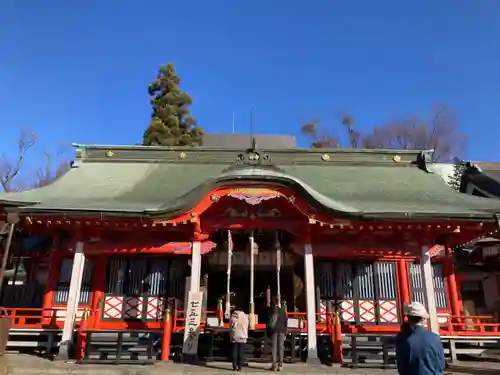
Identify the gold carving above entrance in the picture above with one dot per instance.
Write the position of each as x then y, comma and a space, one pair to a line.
254, 196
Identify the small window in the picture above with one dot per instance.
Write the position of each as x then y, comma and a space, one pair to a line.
62, 288
137, 276
417, 285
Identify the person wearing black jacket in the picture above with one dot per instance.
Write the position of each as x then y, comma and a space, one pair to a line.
276, 330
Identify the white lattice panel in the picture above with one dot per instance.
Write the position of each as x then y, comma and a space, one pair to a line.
113, 306
347, 313
133, 308
367, 311
388, 311
154, 308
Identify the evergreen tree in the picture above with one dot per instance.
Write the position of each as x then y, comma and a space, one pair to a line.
455, 179
171, 123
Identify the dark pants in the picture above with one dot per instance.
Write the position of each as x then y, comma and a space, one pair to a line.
238, 355
278, 345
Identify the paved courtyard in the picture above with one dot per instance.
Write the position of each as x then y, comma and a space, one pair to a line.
29, 365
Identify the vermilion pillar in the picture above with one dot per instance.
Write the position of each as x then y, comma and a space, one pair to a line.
98, 289
52, 278
404, 284
451, 283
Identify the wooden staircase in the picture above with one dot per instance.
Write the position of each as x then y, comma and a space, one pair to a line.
122, 347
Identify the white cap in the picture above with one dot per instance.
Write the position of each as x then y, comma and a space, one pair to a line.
416, 309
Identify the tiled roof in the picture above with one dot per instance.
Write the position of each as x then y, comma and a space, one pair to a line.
169, 180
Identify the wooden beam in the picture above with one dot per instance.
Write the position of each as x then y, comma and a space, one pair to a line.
73, 299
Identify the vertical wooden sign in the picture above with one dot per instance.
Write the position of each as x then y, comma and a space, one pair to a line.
192, 323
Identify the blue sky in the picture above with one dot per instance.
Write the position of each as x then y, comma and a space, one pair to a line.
77, 71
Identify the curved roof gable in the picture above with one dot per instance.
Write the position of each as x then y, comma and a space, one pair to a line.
165, 181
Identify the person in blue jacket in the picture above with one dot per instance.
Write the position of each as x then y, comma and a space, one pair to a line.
418, 351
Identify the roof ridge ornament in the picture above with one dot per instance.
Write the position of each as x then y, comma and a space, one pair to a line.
253, 156
254, 144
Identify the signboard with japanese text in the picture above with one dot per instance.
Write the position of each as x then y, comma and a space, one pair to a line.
192, 323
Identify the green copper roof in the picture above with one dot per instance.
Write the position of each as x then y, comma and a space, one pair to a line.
153, 181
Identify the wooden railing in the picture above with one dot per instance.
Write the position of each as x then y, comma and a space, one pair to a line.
37, 318
180, 319
470, 326
322, 319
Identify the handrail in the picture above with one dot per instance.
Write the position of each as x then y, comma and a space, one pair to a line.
179, 317
461, 325
321, 326
471, 325
25, 317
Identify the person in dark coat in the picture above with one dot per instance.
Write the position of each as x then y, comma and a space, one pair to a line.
276, 330
418, 351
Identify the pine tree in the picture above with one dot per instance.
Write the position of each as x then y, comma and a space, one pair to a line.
171, 123
455, 179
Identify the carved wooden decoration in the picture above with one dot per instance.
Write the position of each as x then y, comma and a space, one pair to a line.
254, 196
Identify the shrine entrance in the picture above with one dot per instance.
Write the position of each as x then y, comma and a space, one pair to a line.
265, 288
265, 285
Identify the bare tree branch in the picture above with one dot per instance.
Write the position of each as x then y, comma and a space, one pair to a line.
48, 174
440, 133
54, 166
319, 138
9, 170
354, 135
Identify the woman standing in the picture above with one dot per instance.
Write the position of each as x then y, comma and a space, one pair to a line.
239, 335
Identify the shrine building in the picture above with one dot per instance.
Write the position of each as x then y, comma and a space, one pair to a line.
353, 234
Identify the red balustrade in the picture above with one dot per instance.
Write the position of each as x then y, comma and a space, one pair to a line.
37, 318
180, 319
321, 325
470, 326
31, 318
